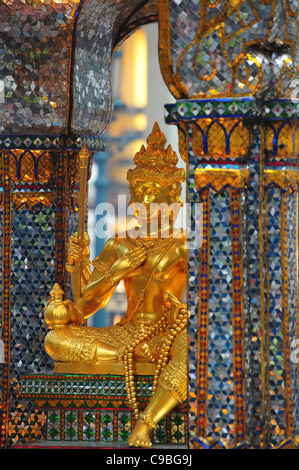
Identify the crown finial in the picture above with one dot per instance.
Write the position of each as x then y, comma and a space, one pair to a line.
156, 163
156, 138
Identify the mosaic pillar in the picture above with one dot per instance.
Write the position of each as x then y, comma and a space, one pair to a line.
55, 96
238, 131
243, 279
39, 211
6, 295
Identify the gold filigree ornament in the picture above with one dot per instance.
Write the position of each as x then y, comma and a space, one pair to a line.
156, 163
148, 420
32, 199
284, 179
218, 178
152, 246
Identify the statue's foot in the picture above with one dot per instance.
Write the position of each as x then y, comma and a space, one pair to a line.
140, 436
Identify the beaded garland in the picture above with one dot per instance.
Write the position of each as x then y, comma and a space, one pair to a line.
144, 333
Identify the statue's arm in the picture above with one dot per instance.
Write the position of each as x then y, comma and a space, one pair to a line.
99, 285
113, 265
78, 251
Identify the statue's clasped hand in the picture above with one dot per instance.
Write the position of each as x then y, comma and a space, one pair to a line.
78, 249
74, 315
173, 306
128, 263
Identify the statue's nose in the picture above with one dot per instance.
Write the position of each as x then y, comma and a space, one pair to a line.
146, 199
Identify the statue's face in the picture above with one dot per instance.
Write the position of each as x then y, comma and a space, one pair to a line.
147, 196
147, 192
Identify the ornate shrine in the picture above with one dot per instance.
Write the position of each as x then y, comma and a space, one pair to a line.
232, 68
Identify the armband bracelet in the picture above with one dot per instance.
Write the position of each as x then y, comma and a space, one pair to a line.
109, 279
148, 420
104, 270
70, 268
79, 310
100, 266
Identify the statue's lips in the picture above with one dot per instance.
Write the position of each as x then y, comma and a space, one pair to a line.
155, 209
156, 216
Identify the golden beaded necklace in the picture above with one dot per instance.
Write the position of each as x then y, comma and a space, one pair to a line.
152, 246
146, 332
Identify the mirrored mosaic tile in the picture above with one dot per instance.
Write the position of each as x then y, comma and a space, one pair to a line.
32, 271
247, 340
276, 349
58, 385
98, 29
293, 325
32, 276
71, 425
89, 425
34, 91
292, 302
124, 425
253, 315
43, 78
178, 427
193, 300
212, 48
160, 434
1, 238
53, 425
106, 426
220, 381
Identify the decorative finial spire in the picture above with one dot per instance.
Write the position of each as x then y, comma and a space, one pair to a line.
156, 162
156, 138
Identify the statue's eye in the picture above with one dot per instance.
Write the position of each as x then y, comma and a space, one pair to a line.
153, 191
174, 192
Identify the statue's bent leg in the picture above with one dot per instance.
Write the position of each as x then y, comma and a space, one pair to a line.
174, 377
171, 390
70, 344
87, 345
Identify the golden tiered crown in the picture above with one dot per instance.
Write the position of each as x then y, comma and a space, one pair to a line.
156, 163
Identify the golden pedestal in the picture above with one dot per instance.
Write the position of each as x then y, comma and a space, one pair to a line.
103, 369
